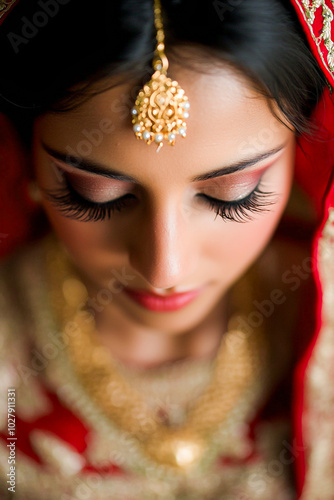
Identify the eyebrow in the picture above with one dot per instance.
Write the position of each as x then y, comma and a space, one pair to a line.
87, 165
240, 165
96, 168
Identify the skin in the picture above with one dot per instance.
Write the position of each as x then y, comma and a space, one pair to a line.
168, 238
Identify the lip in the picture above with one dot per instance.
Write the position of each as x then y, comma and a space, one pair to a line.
162, 303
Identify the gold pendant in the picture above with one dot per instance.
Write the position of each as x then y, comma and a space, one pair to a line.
176, 448
161, 107
160, 110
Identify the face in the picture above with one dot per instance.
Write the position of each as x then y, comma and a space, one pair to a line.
190, 217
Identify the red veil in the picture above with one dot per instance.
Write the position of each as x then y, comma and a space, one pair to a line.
314, 374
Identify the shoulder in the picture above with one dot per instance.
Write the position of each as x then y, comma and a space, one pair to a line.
20, 275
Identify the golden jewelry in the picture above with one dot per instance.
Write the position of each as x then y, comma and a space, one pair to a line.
161, 106
238, 364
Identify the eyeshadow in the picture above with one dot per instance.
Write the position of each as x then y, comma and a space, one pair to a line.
92, 187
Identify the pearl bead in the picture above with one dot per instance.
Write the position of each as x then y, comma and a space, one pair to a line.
186, 114
182, 131
186, 105
146, 135
134, 112
158, 137
137, 128
171, 137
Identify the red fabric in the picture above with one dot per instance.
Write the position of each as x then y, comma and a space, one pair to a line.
314, 172
314, 30
17, 211
315, 155
64, 425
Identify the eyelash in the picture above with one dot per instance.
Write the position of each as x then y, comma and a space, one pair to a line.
74, 206
242, 210
71, 204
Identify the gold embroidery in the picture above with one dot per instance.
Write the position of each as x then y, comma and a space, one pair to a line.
318, 426
58, 455
260, 479
309, 10
5, 6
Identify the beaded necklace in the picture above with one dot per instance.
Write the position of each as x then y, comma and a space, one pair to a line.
236, 367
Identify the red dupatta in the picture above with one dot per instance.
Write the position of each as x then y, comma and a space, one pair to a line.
314, 375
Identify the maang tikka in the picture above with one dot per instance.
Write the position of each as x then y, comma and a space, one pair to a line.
161, 106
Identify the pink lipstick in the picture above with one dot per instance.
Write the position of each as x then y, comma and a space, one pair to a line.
162, 303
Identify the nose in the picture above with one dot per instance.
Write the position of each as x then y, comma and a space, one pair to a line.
162, 248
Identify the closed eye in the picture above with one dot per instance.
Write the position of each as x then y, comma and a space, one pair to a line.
241, 210
71, 204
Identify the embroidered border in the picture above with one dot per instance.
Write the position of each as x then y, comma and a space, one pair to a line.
318, 426
5, 6
324, 41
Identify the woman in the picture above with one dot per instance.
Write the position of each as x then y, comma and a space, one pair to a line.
152, 349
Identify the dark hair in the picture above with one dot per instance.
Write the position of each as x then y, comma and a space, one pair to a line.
48, 46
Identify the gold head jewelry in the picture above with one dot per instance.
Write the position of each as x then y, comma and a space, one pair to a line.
161, 106
238, 365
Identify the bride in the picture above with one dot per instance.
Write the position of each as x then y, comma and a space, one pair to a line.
167, 332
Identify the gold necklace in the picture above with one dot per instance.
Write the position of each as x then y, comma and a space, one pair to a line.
236, 367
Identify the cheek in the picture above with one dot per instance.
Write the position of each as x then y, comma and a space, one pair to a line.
237, 245
92, 245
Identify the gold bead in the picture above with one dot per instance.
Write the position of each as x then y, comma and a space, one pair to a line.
178, 449
74, 291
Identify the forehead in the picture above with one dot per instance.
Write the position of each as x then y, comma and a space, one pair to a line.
227, 118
